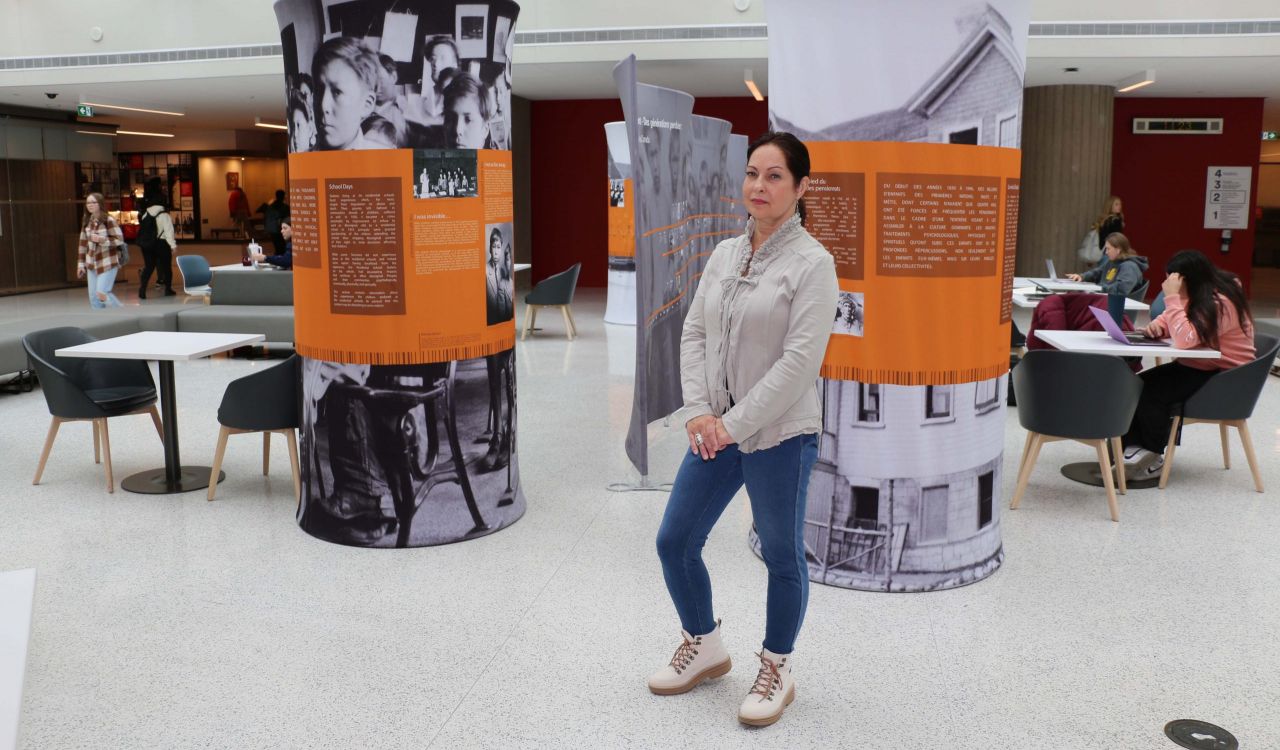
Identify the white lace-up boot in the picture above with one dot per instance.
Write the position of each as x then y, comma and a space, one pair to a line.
773, 692
699, 657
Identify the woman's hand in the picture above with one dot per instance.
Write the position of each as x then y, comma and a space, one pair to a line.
1074, 277
702, 436
1172, 285
723, 438
79, 272
1156, 330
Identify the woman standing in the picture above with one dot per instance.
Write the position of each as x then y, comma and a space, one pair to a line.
753, 343
1111, 220
99, 255
1204, 306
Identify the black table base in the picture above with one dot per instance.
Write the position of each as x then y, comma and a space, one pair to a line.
156, 481
1088, 472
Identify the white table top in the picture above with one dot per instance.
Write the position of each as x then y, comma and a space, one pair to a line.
264, 266
1020, 300
1061, 285
17, 592
171, 345
523, 267
1098, 342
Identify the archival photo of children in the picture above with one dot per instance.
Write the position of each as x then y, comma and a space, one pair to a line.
368, 74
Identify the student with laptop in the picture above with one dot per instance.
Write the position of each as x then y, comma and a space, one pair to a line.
1121, 270
1204, 305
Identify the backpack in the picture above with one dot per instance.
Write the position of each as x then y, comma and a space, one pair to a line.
1089, 251
148, 230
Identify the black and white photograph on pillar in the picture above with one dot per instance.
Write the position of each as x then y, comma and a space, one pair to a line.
956, 78
408, 456
850, 312
444, 173
883, 518
499, 285
394, 74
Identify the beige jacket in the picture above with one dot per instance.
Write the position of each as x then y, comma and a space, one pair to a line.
757, 341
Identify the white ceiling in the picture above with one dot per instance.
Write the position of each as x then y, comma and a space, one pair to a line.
232, 102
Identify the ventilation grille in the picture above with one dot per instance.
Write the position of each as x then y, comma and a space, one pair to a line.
743, 32
1177, 125
143, 58
1171, 28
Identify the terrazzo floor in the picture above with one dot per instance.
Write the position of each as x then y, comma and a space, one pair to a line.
172, 622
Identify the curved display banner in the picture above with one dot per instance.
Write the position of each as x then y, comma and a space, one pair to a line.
401, 200
620, 308
914, 190
685, 169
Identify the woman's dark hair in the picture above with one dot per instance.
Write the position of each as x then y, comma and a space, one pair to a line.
153, 194
793, 150
1201, 280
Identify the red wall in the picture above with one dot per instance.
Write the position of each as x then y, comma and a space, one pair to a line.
1161, 179
570, 172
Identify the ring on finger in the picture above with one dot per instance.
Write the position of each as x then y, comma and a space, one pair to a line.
697, 438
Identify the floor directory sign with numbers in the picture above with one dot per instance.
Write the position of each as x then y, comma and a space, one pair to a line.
1226, 197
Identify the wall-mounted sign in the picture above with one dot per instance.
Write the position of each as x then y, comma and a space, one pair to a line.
84, 110
1270, 135
1226, 198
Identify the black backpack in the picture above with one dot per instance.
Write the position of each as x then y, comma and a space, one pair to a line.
148, 230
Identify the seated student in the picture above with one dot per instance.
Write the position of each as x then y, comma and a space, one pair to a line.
1204, 306
280, 260
1121, 270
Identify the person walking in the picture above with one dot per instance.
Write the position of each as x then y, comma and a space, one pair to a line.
238, 208
98, 258
156, 238
752, 346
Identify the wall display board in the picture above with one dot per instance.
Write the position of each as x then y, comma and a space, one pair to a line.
402, 203
914, 190
685, 172
1226, 197
620, 308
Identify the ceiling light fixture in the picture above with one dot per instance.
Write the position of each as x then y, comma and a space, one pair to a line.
258, 121
1136, 81
143, 132
134, 109
97, 132
751, 85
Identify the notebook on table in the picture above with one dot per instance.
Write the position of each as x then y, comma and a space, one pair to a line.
1130, 338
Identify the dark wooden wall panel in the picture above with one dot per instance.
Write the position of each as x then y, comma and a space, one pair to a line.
1066, 172
39, 210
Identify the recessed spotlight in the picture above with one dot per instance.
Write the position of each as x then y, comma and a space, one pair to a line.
1072, 69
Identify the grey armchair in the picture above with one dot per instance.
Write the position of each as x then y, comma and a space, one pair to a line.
1227, 400
266, 402
87, 390
1089, 398
553, 291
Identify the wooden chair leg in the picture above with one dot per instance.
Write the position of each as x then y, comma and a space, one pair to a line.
223, 433
1243, 428
530, 313
266, 452
1117, 455
291, 439
97, 448
1169, 451
1026, 450
1104, 463
48, 445
155, 420
1028, 463
572, 323
1223, 432
568, 324
106, 454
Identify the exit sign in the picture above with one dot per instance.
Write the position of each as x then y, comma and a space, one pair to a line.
84, 110
1270, 135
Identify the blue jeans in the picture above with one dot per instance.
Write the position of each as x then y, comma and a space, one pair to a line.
777, 480
102, 282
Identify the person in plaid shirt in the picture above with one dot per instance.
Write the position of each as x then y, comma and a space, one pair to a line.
99, 255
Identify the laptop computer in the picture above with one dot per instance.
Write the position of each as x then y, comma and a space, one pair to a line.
1130, 338
1055, 284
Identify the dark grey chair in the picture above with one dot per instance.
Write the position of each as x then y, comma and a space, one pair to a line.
1089, 398
553, 291
1227, 400
1139, 292
266, 402
88, 390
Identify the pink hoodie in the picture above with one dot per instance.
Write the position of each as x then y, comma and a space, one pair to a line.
1235, 343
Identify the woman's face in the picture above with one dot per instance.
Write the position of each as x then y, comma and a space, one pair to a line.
302, 135
286, 231
769, 190
495, 248
345, 101
1115, 206
1112, 251
441, 57
467, 127
91, 205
